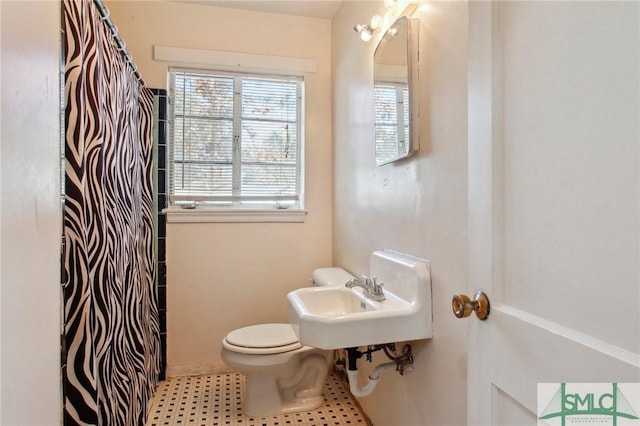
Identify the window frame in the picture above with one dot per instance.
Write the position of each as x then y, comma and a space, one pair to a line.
234, 208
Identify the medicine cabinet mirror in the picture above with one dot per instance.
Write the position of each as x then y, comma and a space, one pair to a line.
395, 73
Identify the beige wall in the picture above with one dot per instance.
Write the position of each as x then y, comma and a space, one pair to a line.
417, 206
31, 214
223, 276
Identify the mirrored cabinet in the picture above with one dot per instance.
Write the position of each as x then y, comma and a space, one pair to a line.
395, 66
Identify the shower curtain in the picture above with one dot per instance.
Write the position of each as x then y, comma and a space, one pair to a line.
111, 342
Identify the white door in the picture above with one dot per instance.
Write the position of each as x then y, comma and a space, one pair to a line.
554, 136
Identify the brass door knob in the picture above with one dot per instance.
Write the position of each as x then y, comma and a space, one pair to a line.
462, 306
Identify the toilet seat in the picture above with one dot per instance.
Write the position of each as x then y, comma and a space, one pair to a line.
262, 339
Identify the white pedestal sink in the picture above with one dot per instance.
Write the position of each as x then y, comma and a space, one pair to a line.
340, 317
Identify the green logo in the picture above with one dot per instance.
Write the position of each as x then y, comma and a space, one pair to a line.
588, 403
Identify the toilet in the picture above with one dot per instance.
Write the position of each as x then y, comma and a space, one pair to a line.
283, 375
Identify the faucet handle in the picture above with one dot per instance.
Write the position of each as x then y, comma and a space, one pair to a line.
377, 287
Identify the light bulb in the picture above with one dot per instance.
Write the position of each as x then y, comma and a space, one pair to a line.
365, 34
357, 28
376, 22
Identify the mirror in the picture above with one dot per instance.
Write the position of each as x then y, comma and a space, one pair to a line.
395, 92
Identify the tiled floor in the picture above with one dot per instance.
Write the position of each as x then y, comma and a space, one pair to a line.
217, 400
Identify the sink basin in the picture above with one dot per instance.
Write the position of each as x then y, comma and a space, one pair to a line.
339, 317
331, 302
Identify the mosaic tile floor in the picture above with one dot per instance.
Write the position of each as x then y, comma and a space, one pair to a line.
217, 400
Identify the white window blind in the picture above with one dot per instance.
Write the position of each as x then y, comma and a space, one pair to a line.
235, 140
391, 120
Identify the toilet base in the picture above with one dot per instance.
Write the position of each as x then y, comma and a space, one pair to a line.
263, 398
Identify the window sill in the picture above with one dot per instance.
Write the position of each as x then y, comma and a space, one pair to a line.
212, 215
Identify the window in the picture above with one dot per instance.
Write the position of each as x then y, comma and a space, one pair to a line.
236, 140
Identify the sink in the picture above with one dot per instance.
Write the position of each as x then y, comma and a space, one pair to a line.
339, 317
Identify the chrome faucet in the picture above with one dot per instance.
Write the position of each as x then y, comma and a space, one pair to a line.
372, 289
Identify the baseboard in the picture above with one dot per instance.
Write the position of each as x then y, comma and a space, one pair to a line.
197, 370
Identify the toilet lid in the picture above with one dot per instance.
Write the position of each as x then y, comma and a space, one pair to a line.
271, 338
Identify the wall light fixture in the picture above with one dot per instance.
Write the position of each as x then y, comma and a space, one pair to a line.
366, 31
394, 7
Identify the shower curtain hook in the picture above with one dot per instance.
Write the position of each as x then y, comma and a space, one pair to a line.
107, 12
123, 45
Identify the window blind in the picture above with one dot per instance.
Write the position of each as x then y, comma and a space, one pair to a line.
391, 120
236, 139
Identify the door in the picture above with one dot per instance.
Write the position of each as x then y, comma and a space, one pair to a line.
554, 135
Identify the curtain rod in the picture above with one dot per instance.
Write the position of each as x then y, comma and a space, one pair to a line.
114, 33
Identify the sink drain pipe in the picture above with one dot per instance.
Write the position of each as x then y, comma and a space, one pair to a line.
352, 372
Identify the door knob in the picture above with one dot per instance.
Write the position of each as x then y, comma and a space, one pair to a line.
462, 306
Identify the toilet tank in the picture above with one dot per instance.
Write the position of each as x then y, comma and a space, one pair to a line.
330, 276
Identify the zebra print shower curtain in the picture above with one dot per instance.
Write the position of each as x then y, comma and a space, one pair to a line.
112, 345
